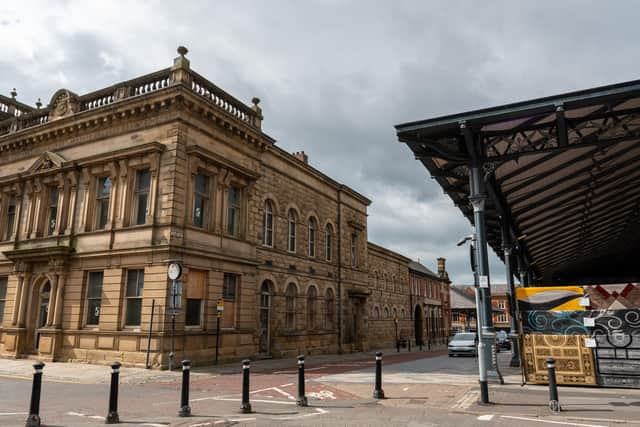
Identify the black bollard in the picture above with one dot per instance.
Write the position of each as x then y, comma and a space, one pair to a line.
554, 404
302, 399
33, 420
112, 416
378, 393
246, 406
185, 409
409, 345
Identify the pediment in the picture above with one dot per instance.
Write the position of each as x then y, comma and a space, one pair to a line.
63, 103
47, 161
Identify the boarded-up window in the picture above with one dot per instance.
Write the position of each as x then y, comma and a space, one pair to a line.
230, 289
195, 295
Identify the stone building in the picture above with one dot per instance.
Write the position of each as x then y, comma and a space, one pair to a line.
430, 302
98, 192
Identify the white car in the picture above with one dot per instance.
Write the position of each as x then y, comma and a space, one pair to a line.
465, 343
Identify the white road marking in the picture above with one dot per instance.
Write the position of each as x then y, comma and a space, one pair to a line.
295, 372
550, 422
279, 402
486, 417
12, 413
95, 417
405, 389
466, 400
154, 425
238, 420
284, 393
286, 385
322, 394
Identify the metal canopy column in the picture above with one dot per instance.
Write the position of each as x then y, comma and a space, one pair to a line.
478, 199
507, 246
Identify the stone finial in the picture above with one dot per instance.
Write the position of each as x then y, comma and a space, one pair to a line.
181, 63
255, 101
14, 93
38, 104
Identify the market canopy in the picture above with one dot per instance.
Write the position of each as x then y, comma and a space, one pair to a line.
561, 172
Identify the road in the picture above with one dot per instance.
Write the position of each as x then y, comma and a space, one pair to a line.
422, 389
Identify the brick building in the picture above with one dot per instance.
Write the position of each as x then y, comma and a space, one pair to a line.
430, 302
463, 315
99, 191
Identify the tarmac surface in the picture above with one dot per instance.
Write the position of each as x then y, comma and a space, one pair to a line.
421, 389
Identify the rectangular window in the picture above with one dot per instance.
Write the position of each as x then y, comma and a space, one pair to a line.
135, 285
455, 317
94, 297
229, 294
354, 249
200, 200
141, 196
233, 211
195, 295
53, 210
3, 295
103, 193
11, 218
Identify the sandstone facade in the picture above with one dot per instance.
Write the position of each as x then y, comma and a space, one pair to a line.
99, 192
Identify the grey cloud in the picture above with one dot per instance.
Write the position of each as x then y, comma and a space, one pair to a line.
334, 77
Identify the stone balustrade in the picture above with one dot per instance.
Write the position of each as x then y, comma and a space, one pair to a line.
141, 86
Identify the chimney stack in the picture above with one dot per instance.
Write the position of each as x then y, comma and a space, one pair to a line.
300, 155
441, 267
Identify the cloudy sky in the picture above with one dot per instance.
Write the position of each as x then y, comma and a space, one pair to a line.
335, 76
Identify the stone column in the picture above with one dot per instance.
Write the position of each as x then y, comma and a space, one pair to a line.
16, 303
73, 197
35, 217
63, 200
57, 320
26, 287
52, 300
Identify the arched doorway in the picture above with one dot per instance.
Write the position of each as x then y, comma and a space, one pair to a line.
417, 318
264, 345
39, 313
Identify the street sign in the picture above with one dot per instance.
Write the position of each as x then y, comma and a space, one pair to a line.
174, 311
483, 281
220, 306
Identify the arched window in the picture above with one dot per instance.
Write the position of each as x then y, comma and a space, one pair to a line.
267, 224
290, 306
313, 228
386, 312
329, 307
376, 313
395, 313
402, 313
328, 232
312, 300
292, 218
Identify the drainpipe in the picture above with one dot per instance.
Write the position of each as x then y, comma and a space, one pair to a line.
340, 269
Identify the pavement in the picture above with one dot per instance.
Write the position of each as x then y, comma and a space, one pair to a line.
421, 388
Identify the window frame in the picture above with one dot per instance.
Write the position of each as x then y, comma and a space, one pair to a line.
267, 218
235, 298
88, 299
312, 308
236, 210
4, 284
128, 298
328, 249
312, 233
205, 196
291, 294
99, 200
137, 192
292, 219
53, 207
8, 231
